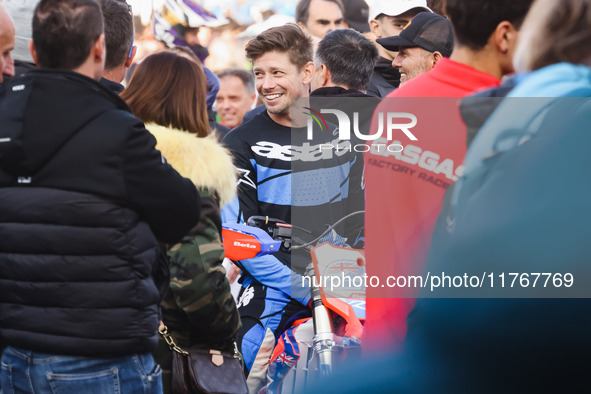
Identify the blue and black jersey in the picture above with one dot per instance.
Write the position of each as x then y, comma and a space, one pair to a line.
284, 176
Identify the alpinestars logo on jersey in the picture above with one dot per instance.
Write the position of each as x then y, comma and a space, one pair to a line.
306, 152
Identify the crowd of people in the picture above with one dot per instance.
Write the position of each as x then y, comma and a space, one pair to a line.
116, 174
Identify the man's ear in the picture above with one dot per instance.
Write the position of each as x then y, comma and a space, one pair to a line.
99, 50
374, 26
325, 75
308, 71
436, 57
33, 52
302, 26
505, 36
129, 59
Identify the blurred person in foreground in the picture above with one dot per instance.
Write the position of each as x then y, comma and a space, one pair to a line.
317, 17
119, 42
167, 91
387, 18
421, 45
86, 199
7, 36
521, 206
399, 224
235, 97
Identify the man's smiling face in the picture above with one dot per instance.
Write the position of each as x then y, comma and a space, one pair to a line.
412, 62
233, 100
278, 81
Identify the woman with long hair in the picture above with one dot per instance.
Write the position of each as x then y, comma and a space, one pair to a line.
168, 92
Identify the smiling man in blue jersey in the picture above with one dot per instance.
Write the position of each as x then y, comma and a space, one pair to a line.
269, 164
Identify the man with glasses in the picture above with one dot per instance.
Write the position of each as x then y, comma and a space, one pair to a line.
119, 40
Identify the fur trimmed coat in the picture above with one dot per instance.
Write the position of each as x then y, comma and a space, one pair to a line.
203, 160
199, 310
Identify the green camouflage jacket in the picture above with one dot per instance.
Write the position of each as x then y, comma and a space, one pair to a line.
199, 310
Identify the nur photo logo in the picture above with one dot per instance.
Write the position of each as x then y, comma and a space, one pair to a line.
318, 118
388, 124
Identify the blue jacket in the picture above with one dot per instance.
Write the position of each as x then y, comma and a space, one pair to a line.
521, 207
558, 80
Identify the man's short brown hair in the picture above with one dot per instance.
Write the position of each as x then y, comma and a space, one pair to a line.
288, 38
118, 32
64, 32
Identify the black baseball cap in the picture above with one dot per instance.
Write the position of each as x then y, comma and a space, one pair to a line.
427, 30
357, 15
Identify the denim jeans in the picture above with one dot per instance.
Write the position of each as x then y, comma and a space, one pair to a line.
25, 371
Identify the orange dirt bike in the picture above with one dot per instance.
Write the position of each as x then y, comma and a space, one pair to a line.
310, 347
